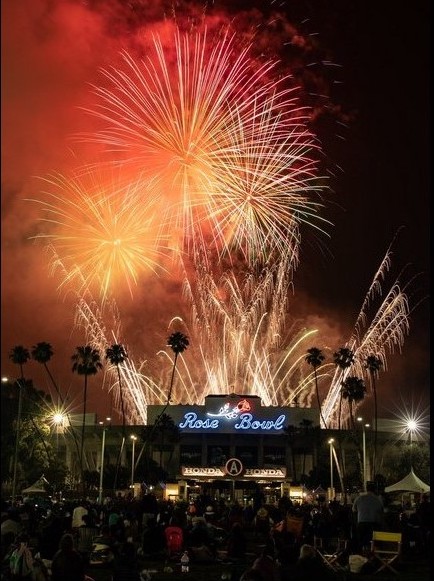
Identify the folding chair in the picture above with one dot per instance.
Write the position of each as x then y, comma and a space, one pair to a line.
386, 547
331, 551
294, 525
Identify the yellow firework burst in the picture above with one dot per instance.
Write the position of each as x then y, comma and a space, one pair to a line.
103, 233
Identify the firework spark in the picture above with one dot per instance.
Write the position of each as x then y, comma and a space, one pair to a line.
385, 333
103, 233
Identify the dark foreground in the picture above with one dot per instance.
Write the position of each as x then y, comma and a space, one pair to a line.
411, 567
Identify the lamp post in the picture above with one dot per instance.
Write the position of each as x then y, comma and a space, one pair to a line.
411, 428
133, 438
17, 438
330, 442
364, 452
101, 475
58, 421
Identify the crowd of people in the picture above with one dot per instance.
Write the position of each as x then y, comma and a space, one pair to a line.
257, 541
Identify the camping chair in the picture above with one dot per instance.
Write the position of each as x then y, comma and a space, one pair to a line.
386, 548
331, 551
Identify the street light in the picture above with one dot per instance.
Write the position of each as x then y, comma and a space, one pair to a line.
364, 452
330, 442
101, 475
411, 428
58, 421
17, 437
133, 438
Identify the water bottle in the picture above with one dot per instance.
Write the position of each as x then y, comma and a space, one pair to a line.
185, 560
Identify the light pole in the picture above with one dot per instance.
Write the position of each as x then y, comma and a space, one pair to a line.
364, 452
133, 438
58, 421
17, 438
101, 475
411, 427
331, 468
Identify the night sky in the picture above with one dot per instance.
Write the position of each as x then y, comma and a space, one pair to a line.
375, 142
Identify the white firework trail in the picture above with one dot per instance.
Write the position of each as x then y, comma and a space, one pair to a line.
385, 333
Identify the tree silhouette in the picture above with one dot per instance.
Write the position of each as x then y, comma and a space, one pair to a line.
343, 358
314, 358
42, 353
373, 365
86, 361
116, 354
353, 389
178, 343
19, 355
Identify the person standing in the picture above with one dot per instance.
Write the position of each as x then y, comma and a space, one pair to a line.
369, 511
21, 559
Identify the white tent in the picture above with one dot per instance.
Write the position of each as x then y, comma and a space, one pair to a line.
411, 483
37, 487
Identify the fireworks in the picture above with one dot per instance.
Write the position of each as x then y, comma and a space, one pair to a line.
384, 334
222, 143
104, 233
224, 178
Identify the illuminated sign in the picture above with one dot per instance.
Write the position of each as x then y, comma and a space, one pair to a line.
245, 422
265, 472
234, 468
197, 471
231, 414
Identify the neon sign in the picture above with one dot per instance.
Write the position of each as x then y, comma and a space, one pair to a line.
226, 412
245, 422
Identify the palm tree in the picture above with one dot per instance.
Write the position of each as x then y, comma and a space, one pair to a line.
116, 354
179, 343
373, 365
86, 361
19, 355
343, 358
291, 432
42, 352
353, 389
314, 358
166, 427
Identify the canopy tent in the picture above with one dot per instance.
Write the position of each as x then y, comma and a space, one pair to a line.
411, 483
37, 487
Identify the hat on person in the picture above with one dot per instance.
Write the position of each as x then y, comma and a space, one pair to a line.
209, 510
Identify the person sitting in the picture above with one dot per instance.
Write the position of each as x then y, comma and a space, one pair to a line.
85, 536
252, 574
153, 539
267, 565
125, 565
236, 543
309, 566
